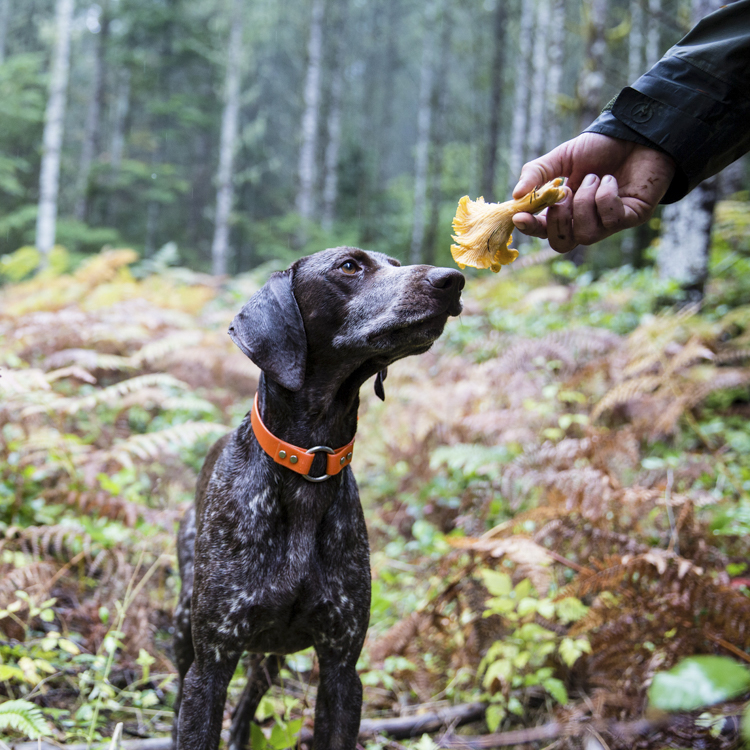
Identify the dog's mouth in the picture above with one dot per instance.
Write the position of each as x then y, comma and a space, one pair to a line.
426, 326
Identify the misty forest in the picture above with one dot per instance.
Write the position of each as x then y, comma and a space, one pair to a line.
557, 493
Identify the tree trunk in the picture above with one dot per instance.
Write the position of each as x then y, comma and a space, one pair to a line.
522, 68
591, 82
537, 106
635, 41
122, 107
386, 160
228, 143
686, 239
4, 20
90, 146
424, 122
685, 243
49, 177
307, 170
489, 170
438, 141
555, 56
653, 46
331, 162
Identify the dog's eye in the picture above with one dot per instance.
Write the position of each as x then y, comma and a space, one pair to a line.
349, 267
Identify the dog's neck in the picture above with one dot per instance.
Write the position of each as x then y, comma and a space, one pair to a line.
317, 414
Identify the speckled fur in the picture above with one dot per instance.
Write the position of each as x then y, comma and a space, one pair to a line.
271, 563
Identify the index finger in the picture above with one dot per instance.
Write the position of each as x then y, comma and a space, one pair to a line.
539, 171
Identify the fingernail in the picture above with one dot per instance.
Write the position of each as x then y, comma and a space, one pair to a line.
608, 179
589, 180
521, 224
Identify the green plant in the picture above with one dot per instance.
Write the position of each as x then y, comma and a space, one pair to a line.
525, 658
24, 717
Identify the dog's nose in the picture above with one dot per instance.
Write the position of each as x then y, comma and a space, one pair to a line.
446, 278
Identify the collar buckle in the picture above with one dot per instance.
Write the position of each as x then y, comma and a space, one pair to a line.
319, 449
295, 458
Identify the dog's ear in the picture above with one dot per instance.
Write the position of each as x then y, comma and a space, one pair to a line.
379, 378
270, 331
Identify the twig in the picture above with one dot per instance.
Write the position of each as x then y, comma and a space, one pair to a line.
622, 729
738, 652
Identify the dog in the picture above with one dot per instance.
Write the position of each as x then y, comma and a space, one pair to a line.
274, 554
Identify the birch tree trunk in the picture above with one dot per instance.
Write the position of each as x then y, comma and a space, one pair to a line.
653, 46
489, 169
555, 55
307, 170
424, 122
685, 243
121, 109
522, 66
686, 239
4, 20
537, 105
331, 160
49, 177
228, 143
90, 146
386, 160
439, 95
592, 77
635, 41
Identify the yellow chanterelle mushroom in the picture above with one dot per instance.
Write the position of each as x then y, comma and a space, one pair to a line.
483, 230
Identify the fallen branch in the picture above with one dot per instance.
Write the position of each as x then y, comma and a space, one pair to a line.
402, 727
399, 727
624, 730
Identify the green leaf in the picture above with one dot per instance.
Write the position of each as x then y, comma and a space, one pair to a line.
8, 672
556, 689
698, 681
494, 715
570, 649
570, 609
502, 669
745, 729
498, 584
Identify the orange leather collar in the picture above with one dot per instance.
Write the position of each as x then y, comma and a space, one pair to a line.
297, 459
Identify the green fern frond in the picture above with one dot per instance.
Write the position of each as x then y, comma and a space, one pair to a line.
170, 440
89, 359
156, 350
24, 717
110, 395
188, 403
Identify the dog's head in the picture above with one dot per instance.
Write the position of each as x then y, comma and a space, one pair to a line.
344, 311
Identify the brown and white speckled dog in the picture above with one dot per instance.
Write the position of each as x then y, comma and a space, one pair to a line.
271, 562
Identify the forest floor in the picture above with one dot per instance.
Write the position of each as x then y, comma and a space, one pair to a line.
558, 498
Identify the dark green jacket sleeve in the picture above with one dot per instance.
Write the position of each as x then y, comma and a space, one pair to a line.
694, 104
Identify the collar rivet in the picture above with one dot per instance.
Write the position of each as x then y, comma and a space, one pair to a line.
293, 459
282, 454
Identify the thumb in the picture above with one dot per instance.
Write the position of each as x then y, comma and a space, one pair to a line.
539, 171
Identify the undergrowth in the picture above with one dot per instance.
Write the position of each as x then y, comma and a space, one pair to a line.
558, 493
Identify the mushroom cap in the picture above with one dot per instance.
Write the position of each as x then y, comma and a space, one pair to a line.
483, 231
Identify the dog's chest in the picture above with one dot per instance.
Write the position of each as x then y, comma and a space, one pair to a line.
279, 575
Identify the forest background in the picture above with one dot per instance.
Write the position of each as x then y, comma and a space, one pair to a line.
568, 525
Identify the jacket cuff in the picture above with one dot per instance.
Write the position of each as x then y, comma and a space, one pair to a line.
685, 112
608, 124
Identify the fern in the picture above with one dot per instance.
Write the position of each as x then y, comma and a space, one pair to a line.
151, 444
156, 350
110, 395
24, 717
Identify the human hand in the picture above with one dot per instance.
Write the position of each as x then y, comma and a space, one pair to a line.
612, 185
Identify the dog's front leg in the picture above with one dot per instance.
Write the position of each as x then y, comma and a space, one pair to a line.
203, 696
338, 705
